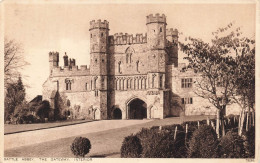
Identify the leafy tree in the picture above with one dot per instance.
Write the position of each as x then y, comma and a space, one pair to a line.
15, 95
218, 66
245, 78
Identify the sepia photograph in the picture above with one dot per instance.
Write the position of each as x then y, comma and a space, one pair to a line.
87, 80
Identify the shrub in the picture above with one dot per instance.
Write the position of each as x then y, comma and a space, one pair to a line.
159, 145
43, 109
131, 147
231, 146
179, 142
80, 146
203, 143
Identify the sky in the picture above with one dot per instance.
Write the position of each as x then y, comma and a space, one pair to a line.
64, 27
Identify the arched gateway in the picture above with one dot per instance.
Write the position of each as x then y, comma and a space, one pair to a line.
117, 114
137, 109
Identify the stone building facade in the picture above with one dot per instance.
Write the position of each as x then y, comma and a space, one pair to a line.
129, 77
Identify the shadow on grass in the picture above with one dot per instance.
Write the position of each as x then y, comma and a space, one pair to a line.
105, 155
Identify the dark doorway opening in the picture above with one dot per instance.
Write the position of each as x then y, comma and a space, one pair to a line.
137, 109
117, 114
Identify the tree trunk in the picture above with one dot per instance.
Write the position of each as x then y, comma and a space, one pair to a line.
253, 118
217, 123
247, 116
223, 127
241, 122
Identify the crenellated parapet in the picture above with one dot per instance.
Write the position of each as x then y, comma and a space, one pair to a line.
71, 71
53, 56
99, 24
156, 18
171, 32
123, 39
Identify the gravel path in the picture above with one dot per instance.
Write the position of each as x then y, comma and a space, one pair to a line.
40, 136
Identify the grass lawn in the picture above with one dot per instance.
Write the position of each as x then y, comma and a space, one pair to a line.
10, 128
104, 144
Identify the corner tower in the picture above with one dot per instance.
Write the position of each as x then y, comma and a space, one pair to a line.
172, 38
53, 60
156, 44
156, 31
99, 32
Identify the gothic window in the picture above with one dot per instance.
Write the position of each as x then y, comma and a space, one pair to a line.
102, 82
137, 66
186, 83
101, 34
186, 100
127, 55
129, 51
119, 67
153, 80
160, 29
68, 103
96, 93
161, 81
95, 83
68, 84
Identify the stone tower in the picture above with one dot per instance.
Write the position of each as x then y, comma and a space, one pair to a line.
156, 43
172, 37
99, 32
53, 60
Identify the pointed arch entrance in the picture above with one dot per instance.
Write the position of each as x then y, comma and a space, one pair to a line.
117, 114
97, 114
137, 109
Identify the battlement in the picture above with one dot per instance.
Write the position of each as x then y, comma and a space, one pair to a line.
54, 56
155, 19
99, 24
171, 32
71, 71
123, 39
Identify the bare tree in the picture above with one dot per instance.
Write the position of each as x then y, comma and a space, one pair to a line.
13, 61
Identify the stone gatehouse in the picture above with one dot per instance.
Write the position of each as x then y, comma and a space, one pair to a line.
129, 77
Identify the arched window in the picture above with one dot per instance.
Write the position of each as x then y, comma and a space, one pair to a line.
160, 29
95, 83
68, 84
127, 55
102, 34
102, 82
137, 66
129, 52
153, 80
119, 67
161, 81
68, 103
